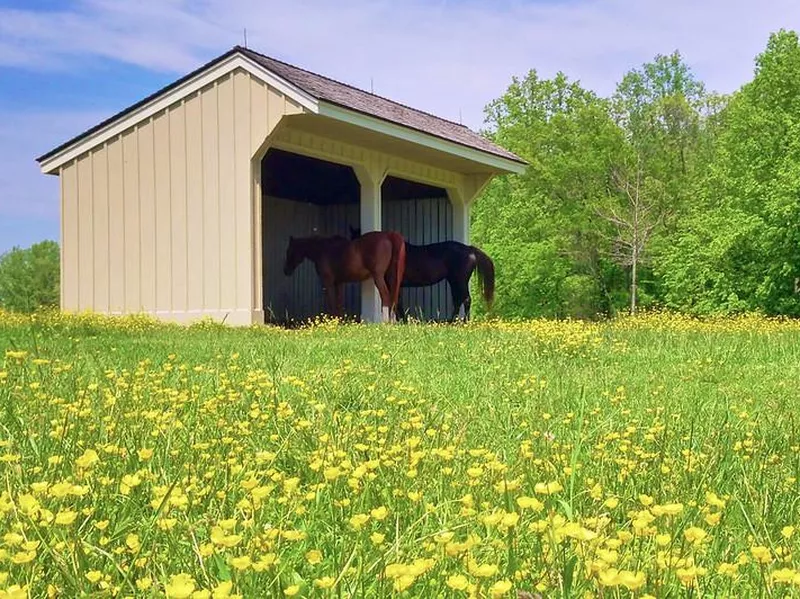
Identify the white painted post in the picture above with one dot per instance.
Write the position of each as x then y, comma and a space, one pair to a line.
370, 215
461, 222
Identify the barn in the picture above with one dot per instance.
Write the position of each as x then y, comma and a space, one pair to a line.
181, 206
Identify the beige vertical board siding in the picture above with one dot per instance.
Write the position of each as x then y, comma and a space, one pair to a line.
85, 234
70, 275
195, 208
259, 115
276, 108
132, 231
161, 218
211, 200
147, 217
100, 224
240, 187
116, 227
163, 213
177, 152
227, 193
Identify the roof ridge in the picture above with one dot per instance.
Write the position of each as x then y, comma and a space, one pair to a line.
294, 66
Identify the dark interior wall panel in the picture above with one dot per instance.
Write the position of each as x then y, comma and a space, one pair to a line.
337, 220
299, 296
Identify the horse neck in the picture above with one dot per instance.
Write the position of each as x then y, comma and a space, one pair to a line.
312, 248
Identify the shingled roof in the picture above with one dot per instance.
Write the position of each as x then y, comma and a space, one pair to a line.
325, 89
347, 96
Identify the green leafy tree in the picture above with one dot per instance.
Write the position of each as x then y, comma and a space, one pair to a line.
665, 112
660, 106
29, 278
633, 219
540, 227
739, 248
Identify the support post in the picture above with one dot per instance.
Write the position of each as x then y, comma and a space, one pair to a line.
257, 240
461, 198
461, 222
370, 215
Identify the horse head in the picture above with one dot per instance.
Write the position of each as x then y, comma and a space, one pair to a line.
295, 255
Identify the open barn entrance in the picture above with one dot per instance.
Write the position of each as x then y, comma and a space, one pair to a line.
423, 215
303, 196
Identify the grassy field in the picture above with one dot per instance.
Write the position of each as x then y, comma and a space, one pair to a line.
656, 456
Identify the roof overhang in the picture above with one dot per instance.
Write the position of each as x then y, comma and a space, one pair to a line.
161, 100
229, 62
427, 140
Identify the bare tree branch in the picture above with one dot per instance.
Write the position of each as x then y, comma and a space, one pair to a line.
634, 221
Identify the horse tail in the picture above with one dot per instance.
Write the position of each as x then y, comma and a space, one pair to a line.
485, 274
399, 264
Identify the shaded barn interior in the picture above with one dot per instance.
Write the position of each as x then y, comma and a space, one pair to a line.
424, 215
304, 196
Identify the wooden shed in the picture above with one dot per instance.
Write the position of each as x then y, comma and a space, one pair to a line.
181, 206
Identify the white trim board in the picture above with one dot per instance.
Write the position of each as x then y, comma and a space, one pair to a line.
418, 137
126, 121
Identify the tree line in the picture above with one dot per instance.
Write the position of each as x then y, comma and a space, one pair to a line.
662, 195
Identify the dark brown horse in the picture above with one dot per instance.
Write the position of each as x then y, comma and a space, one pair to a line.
380, 255
447, 260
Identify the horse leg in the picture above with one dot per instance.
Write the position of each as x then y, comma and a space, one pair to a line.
386, 297
460, 293
340, 299
467, 305
401, 315
329, 291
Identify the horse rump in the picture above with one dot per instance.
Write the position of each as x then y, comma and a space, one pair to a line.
485, 274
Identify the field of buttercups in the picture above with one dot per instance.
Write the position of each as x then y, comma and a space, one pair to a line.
656, 456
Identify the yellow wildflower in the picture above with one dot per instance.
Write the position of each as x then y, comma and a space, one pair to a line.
180, 586
458, 582
326, 582
500, 588
761, 554
695, 535
358, 521
66, 518
379, 513
88, 459
243, 562
785, 575
314, 557
549, 488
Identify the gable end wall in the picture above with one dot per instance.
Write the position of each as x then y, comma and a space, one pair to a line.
160, 218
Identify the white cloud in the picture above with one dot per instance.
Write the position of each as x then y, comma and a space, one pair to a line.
442, 56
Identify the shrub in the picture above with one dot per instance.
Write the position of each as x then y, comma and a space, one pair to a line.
29, 278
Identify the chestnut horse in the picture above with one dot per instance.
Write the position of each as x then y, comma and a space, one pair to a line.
450, 260
380, 255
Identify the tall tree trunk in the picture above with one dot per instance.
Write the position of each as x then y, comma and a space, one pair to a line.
633, 283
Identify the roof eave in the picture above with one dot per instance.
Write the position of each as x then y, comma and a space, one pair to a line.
165, 97
497, 163
51, 161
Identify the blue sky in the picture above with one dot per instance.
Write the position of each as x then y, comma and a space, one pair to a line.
66, 65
